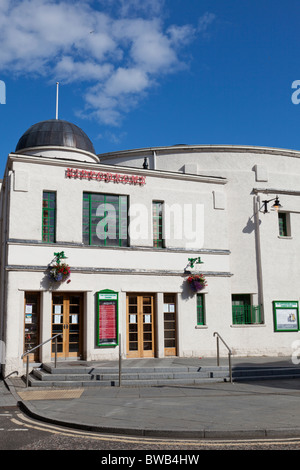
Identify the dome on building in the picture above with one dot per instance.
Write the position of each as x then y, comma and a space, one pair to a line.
55, 133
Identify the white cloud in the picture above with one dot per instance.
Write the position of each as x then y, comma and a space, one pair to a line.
133, 8
69, 70
128, 80
120, 48
181, 35
205, 21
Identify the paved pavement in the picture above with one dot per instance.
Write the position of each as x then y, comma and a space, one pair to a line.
267, 408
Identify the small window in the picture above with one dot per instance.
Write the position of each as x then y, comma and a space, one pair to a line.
49, 217
200, 310
157, 212
284, 224
243, 312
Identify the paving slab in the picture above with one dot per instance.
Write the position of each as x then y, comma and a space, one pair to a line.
262, 408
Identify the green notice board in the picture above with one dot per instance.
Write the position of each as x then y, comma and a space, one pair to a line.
286, 315
107, 313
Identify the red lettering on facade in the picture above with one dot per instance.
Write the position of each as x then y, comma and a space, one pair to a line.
134, 179
107, 177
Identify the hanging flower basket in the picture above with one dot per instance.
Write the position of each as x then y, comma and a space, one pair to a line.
59, 272
197, 282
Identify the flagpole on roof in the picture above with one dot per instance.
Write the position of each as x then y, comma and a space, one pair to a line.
57, 84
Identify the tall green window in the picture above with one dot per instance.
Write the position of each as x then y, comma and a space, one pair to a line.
105, 220
49, 217
283, 224
200, 310
157, 213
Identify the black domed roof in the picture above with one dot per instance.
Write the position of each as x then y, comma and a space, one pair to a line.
55, 133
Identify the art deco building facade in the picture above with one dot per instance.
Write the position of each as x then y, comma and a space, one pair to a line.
105, 250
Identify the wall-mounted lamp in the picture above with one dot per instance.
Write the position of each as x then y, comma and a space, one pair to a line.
275, 206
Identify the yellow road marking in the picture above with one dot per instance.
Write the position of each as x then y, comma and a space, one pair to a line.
131, 439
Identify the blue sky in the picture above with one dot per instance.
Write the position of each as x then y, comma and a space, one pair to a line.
143, 73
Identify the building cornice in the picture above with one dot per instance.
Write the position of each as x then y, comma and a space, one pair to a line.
60, 162
114, 271
202, 251
289, 192
147, 151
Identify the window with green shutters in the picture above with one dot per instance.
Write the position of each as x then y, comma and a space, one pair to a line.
105, 220
49, 217
200, 310
157, 213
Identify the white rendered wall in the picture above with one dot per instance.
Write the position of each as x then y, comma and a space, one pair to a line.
276, 266
230, 224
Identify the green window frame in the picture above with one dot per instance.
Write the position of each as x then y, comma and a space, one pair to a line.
105, 219
157, 218
201, 321
243, 312
283, 224
49, 217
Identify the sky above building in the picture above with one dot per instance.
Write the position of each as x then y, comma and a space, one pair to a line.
147, 73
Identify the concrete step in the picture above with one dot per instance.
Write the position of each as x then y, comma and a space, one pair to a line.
79, 376
61, 369
34, 382
265, 373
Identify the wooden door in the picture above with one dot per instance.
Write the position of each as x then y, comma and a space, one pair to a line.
32, 324
170, 334
67, 313
140, 325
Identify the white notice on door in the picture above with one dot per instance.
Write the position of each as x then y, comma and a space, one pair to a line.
28, 308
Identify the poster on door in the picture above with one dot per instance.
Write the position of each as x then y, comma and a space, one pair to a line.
107, 309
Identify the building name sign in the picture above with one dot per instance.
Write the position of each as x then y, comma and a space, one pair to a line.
105, 176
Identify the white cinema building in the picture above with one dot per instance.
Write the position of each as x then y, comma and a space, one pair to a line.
134, 228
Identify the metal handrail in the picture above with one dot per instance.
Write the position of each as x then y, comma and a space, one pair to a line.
120, 360
36, 347
218, 353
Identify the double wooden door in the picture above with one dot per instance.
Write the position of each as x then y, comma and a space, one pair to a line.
67, 313
140, 325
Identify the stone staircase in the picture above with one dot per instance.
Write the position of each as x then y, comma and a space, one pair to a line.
89, 376
268, 372
151, 373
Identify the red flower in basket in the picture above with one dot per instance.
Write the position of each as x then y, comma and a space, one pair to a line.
197, 282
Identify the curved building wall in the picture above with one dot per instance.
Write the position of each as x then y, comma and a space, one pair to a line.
264, 263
